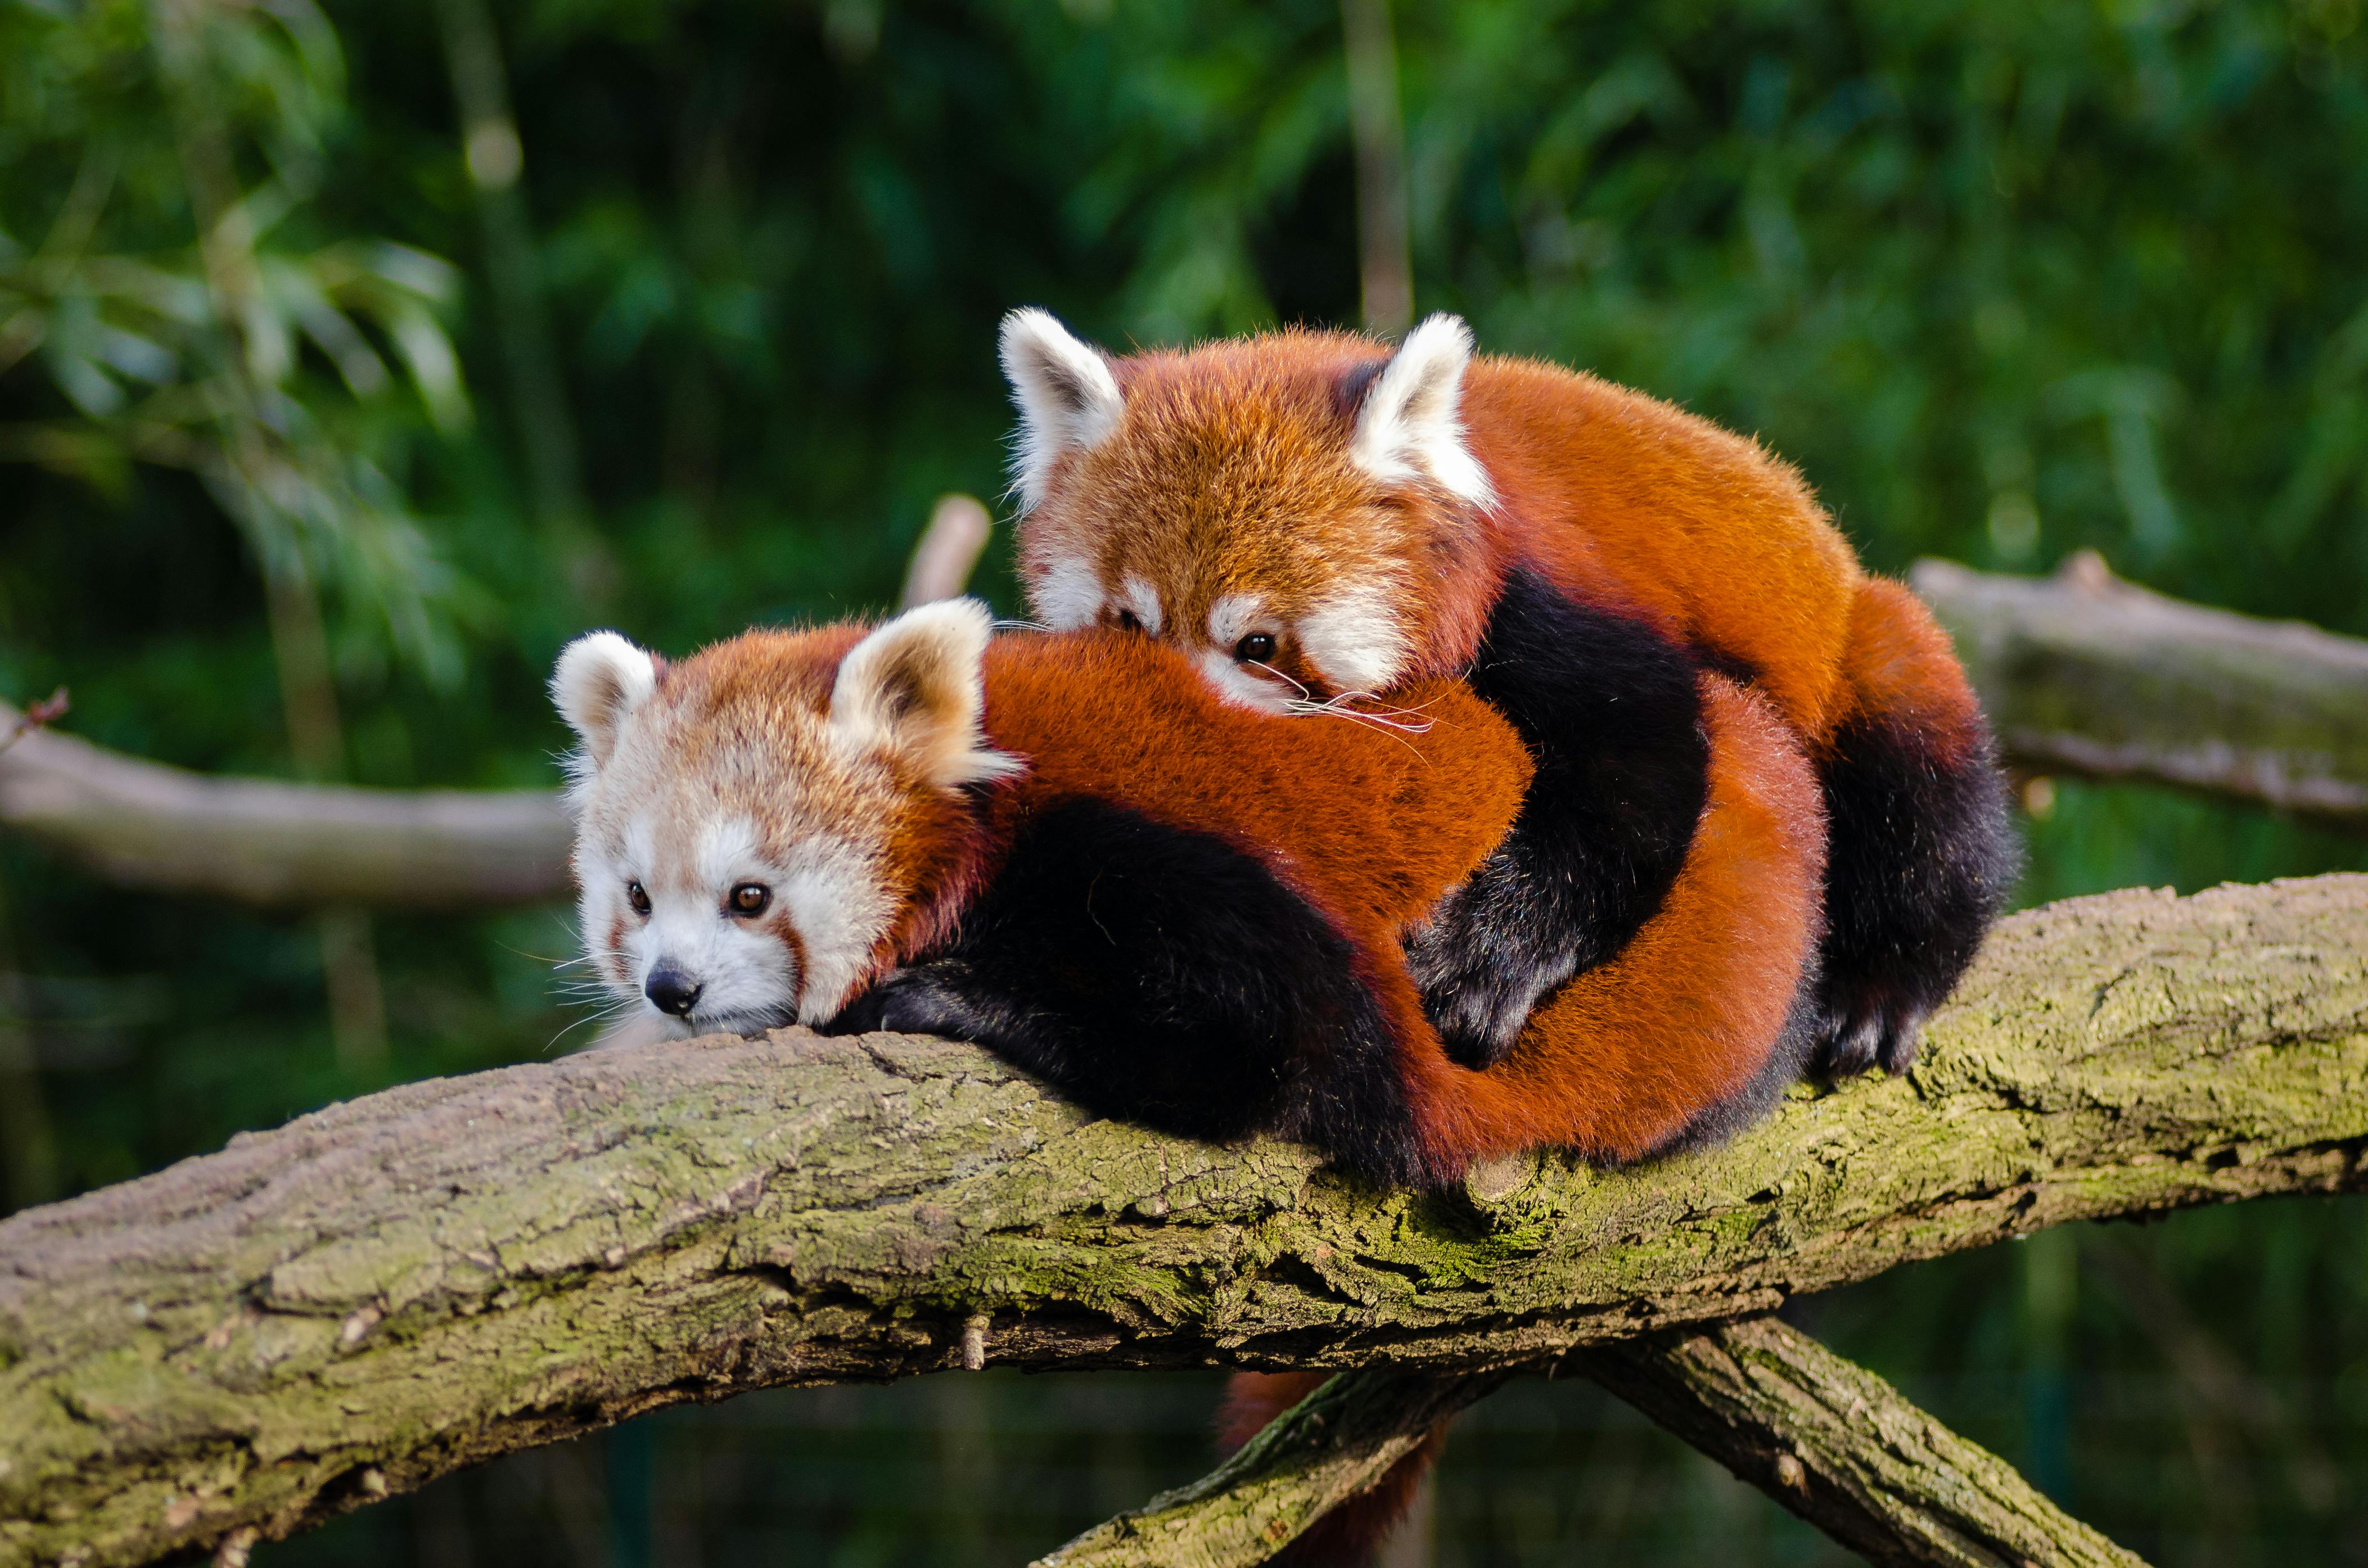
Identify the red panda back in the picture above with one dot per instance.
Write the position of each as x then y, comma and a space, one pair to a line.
1372, 820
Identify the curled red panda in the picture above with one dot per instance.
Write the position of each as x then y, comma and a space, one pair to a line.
1181, 911
1313, 519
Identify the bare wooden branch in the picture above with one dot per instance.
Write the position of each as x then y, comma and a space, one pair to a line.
948, 550
2085, 674
1329, 1446
263, 841
1840, 1446
387, 1289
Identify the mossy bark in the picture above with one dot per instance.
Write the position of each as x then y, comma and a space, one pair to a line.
381, 1291
1840, 1446
1329, 1446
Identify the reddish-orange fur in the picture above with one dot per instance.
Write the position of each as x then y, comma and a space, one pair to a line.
1371, 825
1230, 473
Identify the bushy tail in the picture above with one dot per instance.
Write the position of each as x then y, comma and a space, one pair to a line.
1923, 849
1351, 1533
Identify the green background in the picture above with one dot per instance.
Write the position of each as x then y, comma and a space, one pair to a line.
2006, 279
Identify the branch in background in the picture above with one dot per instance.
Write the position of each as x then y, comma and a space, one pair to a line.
2082, 674
948, 553
261, 841
1329, 1446
2085, 674
1840, 1446
393, 1288
48, 711
1377, 127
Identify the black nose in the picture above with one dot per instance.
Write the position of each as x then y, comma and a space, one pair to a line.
672, 990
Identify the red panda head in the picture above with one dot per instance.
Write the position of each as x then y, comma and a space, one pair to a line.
757, 825
1278, 508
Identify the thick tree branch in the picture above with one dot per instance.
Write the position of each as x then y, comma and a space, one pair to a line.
262, 841
1332, 1444
383, 1291
1840, 1446
2083, 672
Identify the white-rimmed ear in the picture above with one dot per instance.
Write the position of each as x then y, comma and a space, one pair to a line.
1068, 400
915, 688
599, 680
1412, 421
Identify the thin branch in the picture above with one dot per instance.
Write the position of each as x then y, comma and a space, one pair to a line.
1840, 1446
391, 1289
2085, 674
1332, 1444
47, 711
947, 551
1377, 127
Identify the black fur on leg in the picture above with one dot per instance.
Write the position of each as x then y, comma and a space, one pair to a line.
1923, 856
1611, 713
1163, 977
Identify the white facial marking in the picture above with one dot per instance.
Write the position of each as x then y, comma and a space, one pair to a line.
747, 976
1355, 638
1068, 400
1067, 595
841, 911
1242, 687
1139, 596
1232, 617
1411, 425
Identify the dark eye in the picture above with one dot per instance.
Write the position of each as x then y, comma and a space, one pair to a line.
638, 896
1128, 621
749, 899
1255, 649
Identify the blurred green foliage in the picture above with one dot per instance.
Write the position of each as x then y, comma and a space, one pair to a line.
699, 344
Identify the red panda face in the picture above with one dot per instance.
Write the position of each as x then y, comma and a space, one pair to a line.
1272, 508
755, 823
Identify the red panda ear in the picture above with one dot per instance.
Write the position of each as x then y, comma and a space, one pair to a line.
600, 679
1068, 399
1411, 425
915, 689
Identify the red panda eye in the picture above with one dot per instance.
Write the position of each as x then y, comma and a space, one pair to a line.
1255, 649
638, 896
1127, 621
749, 899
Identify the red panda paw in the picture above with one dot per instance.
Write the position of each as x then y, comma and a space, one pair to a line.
1876, 1032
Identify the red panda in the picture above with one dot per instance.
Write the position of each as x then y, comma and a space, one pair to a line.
1312, 517
1183, 912
1067, 849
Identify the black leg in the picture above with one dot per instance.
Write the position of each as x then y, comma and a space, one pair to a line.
1923, 857
1613, 718
1167, 978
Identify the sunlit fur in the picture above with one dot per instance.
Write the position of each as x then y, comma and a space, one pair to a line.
762, 760
1375, 502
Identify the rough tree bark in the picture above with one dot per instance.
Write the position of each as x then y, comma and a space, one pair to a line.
1331, 1446
1829, 1440
384, 1291
1840, 1446
2083, 672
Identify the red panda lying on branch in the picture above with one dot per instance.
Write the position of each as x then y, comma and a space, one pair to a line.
1310, 514
1179, 911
